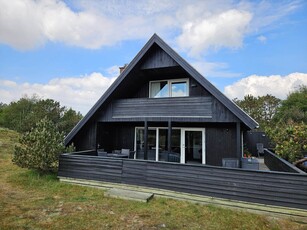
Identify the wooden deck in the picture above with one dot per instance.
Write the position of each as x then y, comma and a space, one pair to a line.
262, 165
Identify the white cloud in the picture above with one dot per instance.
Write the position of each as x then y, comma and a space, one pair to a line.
80, 93
20, 24
276, 85
214, 69
262, 38
26, 24
113, 70
198, 25
226, 29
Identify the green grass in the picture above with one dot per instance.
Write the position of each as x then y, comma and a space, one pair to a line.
29, 200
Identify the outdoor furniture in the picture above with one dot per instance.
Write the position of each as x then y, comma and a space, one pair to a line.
230, 162
132, 154
101, 153
250, 163
117, 155
260, 149
125, 152
173, 157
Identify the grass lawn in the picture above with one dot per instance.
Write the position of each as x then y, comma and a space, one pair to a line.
32, 201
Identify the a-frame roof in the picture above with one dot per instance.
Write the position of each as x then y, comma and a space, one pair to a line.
155, 39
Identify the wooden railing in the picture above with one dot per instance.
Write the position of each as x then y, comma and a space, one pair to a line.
275, 163
274, 188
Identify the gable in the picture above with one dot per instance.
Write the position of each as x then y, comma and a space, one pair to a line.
156, 60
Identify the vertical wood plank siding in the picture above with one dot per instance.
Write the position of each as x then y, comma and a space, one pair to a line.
274, 188
276, 163
158, 58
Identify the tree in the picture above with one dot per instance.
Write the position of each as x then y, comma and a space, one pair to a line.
40, 148
261, 108
294, 108
290, 130
2, 106
15, 116
26, 112
69, 119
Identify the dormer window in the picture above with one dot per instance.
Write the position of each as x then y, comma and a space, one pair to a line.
169, 88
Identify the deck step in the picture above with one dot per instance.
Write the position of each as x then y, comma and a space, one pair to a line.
129, 194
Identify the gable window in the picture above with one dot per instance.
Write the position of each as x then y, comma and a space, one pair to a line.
169, 88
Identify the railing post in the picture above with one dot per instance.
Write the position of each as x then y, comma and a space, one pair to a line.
238, 140
145, 139
169, 136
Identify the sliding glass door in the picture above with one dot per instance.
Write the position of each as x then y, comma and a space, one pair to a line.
187, 145
151, 144
193, 146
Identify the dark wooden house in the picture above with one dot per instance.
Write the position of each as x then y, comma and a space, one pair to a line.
161, 108
179, 128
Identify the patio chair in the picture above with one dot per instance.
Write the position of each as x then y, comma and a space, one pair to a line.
101, 153
125, 152
259, 149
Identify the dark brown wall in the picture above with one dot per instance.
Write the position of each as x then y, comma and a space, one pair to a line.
220, 143
86, 137
111, 136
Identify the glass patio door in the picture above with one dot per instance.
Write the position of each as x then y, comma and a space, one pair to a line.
193, 146
151, 144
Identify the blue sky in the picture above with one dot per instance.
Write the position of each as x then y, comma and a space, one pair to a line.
71, 50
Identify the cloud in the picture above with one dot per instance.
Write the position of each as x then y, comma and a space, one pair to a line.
79, 93
262, 38
276, 85
226, 29
27, 24
20, 24
214, 69
198, 25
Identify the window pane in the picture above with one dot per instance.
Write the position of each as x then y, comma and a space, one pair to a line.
151, 144
159, 89
174, 155
179, 89
140, 143
164, 154
151, 149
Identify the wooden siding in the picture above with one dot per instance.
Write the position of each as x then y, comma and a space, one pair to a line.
111, 136
251, 138
273, 188
220, 139
129, 81
220, 143
276, 163
221, 114
86, 138
183, 107
157, 58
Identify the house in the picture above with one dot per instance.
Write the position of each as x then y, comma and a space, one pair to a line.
161, 108
179, 128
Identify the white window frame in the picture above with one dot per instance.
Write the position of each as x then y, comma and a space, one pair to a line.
169, 83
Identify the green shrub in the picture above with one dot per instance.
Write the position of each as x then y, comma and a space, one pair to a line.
40, 148
290, 139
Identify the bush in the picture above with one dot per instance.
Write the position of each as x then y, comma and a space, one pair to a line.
40, 148
290, 139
